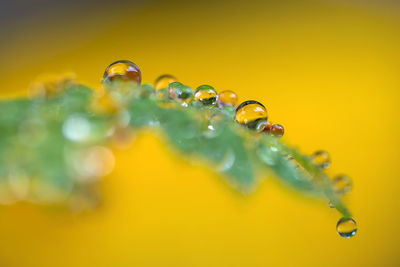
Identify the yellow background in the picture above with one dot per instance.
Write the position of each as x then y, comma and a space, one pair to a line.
328, 71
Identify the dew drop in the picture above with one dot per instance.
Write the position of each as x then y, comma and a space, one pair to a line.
267, 128
215, 121
163, 81
277, 130
321, 159
346, 227
342, 184
122, 70
252, 114
206, 95
180, 93
227, 98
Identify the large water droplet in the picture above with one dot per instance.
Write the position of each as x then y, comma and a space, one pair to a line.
341, 184
122, 70
252, 114
206, 94
163, 81
321, 159
227, 98
346, 227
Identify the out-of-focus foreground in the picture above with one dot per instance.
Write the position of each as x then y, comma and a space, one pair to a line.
326, 70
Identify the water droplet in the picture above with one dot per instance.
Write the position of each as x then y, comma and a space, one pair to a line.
227, 98
206, 95
267, 128
346, 227
122, 70
76, 128
215, 122
331, 205
163, 81
252, 114
321, 159
180, 93
341, 184
277, 130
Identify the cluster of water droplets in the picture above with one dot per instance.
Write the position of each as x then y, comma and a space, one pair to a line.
251, 114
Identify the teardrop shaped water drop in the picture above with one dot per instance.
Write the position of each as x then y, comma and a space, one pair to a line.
346, 227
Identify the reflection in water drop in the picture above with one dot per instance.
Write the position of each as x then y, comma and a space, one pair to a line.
181, 94
321, 159
346, 227
227, 98
122, 70
277, 130
341, 184
206, 95
252, 114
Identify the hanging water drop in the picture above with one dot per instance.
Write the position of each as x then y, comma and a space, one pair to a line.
341, 184
346, 227
163, 81
122, 70
206, 95
252, 114
321, 159
227, 98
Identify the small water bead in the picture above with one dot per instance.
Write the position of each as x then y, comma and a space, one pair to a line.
321, 159
227, 98
277, 130
122, 70
171, 88
206, 95
346, 227
267, 128
252, 114
216, 120
342, 184
182, 94
163, 81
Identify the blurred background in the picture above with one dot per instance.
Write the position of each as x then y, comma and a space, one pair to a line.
326, 69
